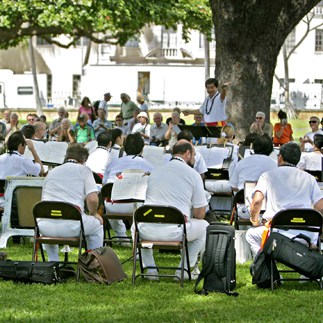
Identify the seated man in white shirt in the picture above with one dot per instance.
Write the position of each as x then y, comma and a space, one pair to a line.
133, 147
158, 131
250, 168
14, 163
100, 158
164, 185
283, 187
73, 182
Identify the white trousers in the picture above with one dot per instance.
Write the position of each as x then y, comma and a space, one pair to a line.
196, 235
92, 228
254, 236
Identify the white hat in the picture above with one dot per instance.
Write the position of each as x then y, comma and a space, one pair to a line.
142, 114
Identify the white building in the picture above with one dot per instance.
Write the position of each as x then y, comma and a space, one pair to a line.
159, 65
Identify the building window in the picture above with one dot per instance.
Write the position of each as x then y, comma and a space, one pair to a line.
291, 40
25, 90
42, 42
319, 40
144, 83
319, 81
83, 41
49, 86
132, 42
76, 85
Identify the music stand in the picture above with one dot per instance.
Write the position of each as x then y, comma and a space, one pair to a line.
202, 131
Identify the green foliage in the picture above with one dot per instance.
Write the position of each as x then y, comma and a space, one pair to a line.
120, 19
163, 301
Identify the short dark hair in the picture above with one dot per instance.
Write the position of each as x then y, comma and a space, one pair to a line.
15, 140
282, 115
181, 147
134, 144
291, 153
263, 145
104, 138
250, 139
77, 152
185, 134
115, 133
212, 81
28, 131
318, 141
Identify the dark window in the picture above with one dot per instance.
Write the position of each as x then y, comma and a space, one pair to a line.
25, 90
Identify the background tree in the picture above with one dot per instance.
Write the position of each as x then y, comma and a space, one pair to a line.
249, 35
287, 53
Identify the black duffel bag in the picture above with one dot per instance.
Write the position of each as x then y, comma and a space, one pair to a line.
30, 272
294, 254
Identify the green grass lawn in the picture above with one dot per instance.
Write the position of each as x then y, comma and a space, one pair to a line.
151, 301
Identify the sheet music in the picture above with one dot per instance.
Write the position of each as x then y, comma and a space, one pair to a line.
50, 152
130, 185
154, 155
214, 156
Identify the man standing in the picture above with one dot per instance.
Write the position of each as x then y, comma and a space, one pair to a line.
307, 140
164, 184
73, 182
284, 187
158, 131
127, 107
213, 107
104, 103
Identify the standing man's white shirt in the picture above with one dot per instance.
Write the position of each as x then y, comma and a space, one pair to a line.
213, 109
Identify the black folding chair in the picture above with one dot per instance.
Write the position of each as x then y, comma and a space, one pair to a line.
55, 210
308, 220
164, 215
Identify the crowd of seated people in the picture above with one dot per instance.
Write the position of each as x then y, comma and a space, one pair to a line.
120, 146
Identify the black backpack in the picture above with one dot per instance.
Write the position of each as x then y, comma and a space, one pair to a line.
219, 260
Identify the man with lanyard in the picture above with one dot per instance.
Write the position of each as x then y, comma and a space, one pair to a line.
164, 184
284, 187
73, 182
213, 107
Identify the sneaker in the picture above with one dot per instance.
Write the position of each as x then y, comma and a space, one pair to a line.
151, 274
125, 244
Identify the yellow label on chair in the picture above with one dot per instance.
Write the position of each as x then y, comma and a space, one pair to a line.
147, 212
159, 215
56, 213
297, 220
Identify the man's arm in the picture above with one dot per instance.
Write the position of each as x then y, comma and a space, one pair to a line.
187, 112
255, 208
92, 202
37, 160
199, 213
318, 206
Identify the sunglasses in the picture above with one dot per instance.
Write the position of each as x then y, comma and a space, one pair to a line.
312, 121
118, 120
258, 117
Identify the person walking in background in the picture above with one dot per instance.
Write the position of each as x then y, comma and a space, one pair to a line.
283, 132
260, 127
142, 105
104, 103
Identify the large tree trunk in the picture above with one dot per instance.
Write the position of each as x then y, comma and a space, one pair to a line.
249, 35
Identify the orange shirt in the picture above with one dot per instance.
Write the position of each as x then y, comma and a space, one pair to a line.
286, 135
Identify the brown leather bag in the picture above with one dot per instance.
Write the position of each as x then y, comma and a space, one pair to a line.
101, 265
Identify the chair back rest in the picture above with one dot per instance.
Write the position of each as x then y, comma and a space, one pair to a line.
217, 173
316, 173
159, 214
97, 178
300, 219
106, 191
26, 198
56, 210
